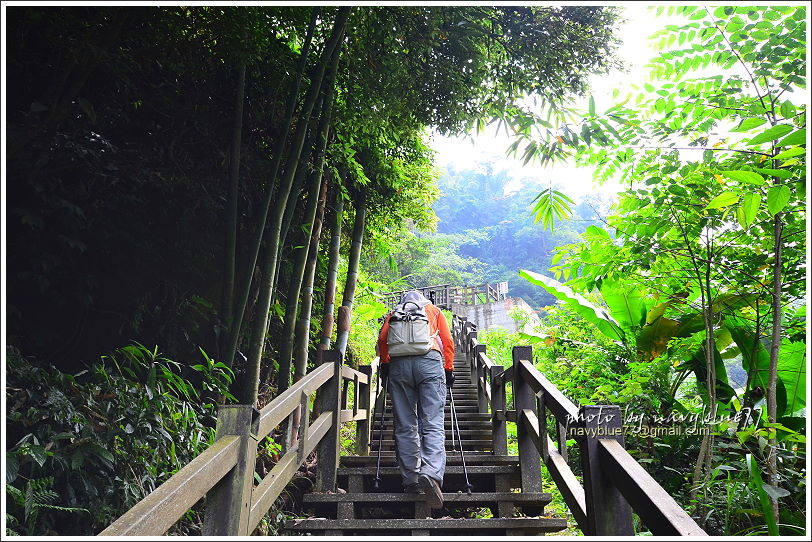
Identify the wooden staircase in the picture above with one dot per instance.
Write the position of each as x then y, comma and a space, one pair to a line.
506, 495
360, 509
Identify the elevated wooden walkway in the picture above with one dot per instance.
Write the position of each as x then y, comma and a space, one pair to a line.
345, 500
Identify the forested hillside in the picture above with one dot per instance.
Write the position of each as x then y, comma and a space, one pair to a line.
487, 231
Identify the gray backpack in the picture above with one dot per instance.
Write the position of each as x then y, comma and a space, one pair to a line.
409, 331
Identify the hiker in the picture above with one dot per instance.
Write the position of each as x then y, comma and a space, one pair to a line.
417, 386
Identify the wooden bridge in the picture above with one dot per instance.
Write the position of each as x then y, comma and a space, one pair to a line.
345, 502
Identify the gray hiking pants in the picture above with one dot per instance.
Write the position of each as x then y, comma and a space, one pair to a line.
417, 390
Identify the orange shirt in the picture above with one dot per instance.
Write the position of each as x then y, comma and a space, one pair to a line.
437, 323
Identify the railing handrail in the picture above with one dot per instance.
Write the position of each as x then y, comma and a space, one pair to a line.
225, 470
445, 294
158, 511
592, 503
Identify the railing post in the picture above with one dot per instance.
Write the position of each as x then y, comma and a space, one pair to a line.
363, 400
228, 504
608, 513
470, 354
480, 377
498, 410
525, 399
328, 397
463, 333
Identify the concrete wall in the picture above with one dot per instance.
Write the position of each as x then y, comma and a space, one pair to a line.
496, 314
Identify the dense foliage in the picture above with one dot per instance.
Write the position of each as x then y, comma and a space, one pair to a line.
167, 168
82, 448
700, 272
686, 306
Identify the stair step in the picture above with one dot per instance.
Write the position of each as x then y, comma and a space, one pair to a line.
481, 433
459, 525
483, 416
466, 445
486, 497
388, 459
450, 469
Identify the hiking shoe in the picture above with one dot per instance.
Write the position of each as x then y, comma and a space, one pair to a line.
432, 490
413, 488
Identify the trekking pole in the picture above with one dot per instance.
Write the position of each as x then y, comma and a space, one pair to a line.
377, 481
455, 422
453, 438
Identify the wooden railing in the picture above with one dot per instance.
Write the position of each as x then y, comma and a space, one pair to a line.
225, 472
443, 295
614, 483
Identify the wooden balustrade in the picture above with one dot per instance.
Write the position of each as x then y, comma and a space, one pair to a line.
443, 295
224, 473
614, 483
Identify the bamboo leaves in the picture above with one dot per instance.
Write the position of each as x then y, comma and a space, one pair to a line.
551, 204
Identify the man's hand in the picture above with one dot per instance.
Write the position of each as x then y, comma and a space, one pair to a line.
449, 378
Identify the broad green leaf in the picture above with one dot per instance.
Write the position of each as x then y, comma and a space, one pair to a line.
780, 173
12, 467
595, 315
775, 492
723, 200
787, 109
757, 484
598, 231
748, 124
792, 374
789, 153
36, 452
777, 198
749, 177
749, 209
370, 311
653, 339
771, 134
626, 305
591, 105
798, 137
755, 358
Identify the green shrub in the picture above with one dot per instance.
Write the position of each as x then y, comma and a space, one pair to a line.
83, 449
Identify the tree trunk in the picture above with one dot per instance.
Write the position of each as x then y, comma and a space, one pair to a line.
238, 308
248, 390
298, 181
227, 300
352, 278
299, 269
705, 456
303, 322
332, 272
775, 350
